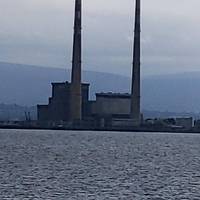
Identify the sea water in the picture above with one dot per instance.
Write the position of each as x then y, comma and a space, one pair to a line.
98, 165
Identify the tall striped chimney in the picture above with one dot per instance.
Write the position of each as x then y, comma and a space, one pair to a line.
76, 96
135, 90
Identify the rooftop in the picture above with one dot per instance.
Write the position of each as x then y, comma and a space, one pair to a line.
113, 95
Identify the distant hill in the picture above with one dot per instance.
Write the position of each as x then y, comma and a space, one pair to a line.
30, 85
178, 92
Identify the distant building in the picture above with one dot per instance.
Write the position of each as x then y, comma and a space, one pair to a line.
70, 101
186, 123
58, 108
110, 107
197, 124
108, 110
113, 105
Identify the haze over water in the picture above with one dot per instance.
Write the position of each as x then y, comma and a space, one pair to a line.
98, 165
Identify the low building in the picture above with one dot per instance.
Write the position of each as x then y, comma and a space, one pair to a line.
114, 105
197, 124
112, 110
58, 107
186, 123
108, 110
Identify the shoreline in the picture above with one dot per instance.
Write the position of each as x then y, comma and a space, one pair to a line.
139, 129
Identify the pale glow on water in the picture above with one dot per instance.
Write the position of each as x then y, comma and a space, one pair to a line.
95, 165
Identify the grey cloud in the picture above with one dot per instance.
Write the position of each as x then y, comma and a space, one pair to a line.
40, 32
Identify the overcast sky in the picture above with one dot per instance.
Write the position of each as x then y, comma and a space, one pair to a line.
39, 32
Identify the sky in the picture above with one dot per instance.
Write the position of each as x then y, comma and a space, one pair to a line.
39, 32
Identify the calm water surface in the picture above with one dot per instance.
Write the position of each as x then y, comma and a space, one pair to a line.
91, 165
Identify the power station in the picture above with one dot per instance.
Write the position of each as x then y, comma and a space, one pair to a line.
70, 104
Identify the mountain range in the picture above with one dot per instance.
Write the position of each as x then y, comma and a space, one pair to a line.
31, 85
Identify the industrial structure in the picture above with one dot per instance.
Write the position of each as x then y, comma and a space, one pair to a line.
68, 100
70, 104
135, 90
75, 90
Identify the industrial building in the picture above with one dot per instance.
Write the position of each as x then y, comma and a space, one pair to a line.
70, 102
185, 122
58, 108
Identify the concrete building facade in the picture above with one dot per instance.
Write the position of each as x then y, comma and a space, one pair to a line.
101, 112
114, 105
58, 108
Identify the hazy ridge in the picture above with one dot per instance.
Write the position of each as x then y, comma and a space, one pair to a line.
29, 85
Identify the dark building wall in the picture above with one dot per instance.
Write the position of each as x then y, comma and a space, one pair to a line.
59, 105
58, 108
106, 106
111, 104
42, 112
112, 110
85, 101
